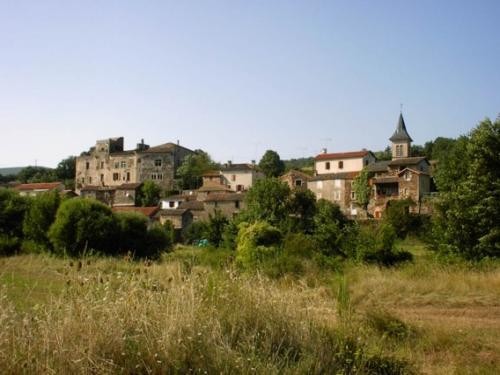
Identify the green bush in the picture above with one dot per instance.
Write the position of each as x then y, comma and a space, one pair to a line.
215, 228
158, 240
132, 232
81, 225
8, 245
194, 232
12, 211
329, 228
39, 217
257, 243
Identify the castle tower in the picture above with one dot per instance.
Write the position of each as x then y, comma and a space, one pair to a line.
401, 140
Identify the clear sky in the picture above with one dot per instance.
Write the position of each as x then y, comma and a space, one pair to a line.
238, 77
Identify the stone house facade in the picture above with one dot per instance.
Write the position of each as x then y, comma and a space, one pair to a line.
403, 177
240, 177
296, 179
107, 164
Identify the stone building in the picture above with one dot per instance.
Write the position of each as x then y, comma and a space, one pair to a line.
240, 177
400, 178
107, 164
37, 188
228, 204
296, 179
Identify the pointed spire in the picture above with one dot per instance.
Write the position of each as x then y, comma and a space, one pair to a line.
401, 134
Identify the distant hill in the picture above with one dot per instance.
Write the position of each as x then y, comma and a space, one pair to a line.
10, 171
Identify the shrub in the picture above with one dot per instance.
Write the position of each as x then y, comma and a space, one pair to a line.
12, 210
132, 232
157, 241
39, 217
83, 224
330, 223
257, 243
8, 245
194, 232
215, 228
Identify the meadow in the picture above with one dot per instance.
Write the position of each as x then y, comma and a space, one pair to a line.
193, 311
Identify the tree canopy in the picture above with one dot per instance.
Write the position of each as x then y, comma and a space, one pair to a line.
192, 168
271, 164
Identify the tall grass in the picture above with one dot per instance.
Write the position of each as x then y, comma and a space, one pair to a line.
119, 317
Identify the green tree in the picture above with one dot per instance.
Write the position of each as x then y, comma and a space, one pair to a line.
269, 200
40, 216
302, 208
132, 232
36, 174
83, 224
257, 243
149, 194
215, 228
192, 168
271, 164
12, 211
362, 188
467, 219
384, 155
66, 170
330, 224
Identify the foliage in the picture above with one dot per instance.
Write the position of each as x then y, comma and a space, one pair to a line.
467, 223
271, 164
302, 209
149, 194
362, 188
40, 216
399, 217
158, 240
379, 247
299, 164
257, 243
329, 223
81, 225
195, 231
268, 199
8, 245
230, 234
215, 228
193, 167
36, 174
384, 155
12, 210
132, 232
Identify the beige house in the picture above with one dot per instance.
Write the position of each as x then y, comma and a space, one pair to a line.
341, 162
334, 176
240, 177
107, 164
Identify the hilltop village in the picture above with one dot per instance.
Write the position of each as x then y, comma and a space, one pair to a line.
109, 173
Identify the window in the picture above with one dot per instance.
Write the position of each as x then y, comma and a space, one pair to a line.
117, 165
399, 150
157, 162
236, 204
407, 176
327, 165
87, 165
116, 176
353, 195
90, 180
233, 177
102, 165
341, 164
123, 164
239, 187
128, 176
157, 176
102, 178
337, 196
171, 204
365, 162
337, 183
298, 182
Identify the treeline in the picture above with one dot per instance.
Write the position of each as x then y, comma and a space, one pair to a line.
74, 227
64, 172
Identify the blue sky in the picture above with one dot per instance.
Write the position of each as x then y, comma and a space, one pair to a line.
236, 78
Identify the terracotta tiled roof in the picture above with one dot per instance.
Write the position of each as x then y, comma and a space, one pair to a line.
173, 212
214, 187
39, 186
225, 197
379, 166
147, 211
408, 161
335, 176
343, 155
211, 174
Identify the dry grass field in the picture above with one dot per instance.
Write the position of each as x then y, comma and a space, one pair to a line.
182, 315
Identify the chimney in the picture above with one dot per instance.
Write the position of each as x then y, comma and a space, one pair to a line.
229, 162
323, 151
178, 143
